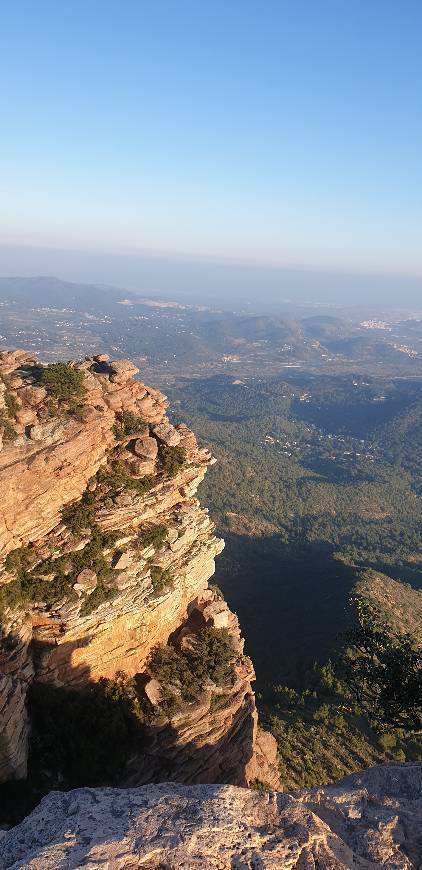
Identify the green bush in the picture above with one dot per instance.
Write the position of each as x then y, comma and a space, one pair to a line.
161, 578
213, 656
63, 382
92, 557
29, 588
217, 591
181, 674
117, 477
172, 459
9, 433
259, 785
8, 415
172, 671
154, 537
79, 517
129, 424
19, 560
100, 594
11, 403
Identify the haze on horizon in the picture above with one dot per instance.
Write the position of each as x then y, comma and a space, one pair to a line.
157, 145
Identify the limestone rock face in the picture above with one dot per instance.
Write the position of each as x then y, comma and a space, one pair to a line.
368, 820
91, 593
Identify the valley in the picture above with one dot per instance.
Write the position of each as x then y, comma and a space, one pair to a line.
316, 424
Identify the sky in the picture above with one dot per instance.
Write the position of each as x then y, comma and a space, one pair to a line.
274, 133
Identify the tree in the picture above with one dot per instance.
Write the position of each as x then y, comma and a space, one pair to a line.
63, 382
383, 671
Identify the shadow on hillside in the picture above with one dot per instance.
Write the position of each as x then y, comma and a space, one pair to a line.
292, 606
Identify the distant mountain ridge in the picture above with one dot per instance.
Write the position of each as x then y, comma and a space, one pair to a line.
46, 290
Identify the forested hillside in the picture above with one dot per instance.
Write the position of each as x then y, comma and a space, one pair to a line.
317, 481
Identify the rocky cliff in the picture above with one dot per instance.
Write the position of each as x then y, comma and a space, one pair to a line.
106, 555
368, 820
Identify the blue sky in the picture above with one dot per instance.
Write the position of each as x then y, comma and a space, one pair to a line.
273, 132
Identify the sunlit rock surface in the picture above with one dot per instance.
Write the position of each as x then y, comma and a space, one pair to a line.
368, 820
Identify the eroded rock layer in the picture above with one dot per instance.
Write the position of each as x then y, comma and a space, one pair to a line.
106, 556
368, 820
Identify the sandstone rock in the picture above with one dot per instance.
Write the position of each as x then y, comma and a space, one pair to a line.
43, 431
26, 417
153, 692
172, 536
124, 499
122, 370
166, 433
216, 614
88, 413
263, 766
142, 467
101, 357
10, 360
146, 447
123, 561
32, 396
86, 581
113, 401
14, 728
366, 821
15, 382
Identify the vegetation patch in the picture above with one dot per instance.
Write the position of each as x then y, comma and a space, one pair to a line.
30, 586
129, 424
79, 517
116, 477
382, 671
213, 656
153, 537
100, 594
11, 403
182, 674
172, 459
162, 579
20, 560
63, 383
8, 415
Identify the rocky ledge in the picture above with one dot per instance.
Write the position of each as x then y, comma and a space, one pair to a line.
368, 820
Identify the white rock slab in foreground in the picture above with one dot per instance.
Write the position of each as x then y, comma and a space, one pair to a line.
368, 820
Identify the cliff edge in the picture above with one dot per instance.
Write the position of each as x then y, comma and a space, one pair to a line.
105, 558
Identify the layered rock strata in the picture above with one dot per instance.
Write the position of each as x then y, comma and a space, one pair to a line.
106, 555
368, 820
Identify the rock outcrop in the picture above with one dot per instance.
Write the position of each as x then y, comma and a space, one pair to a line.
368, 820
106, 555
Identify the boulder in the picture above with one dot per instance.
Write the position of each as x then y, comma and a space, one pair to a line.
167, 434
26, 417
146, 447
32, 396
142, 467
123, 561
216, 614
153, 692
122, 370
86, 581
